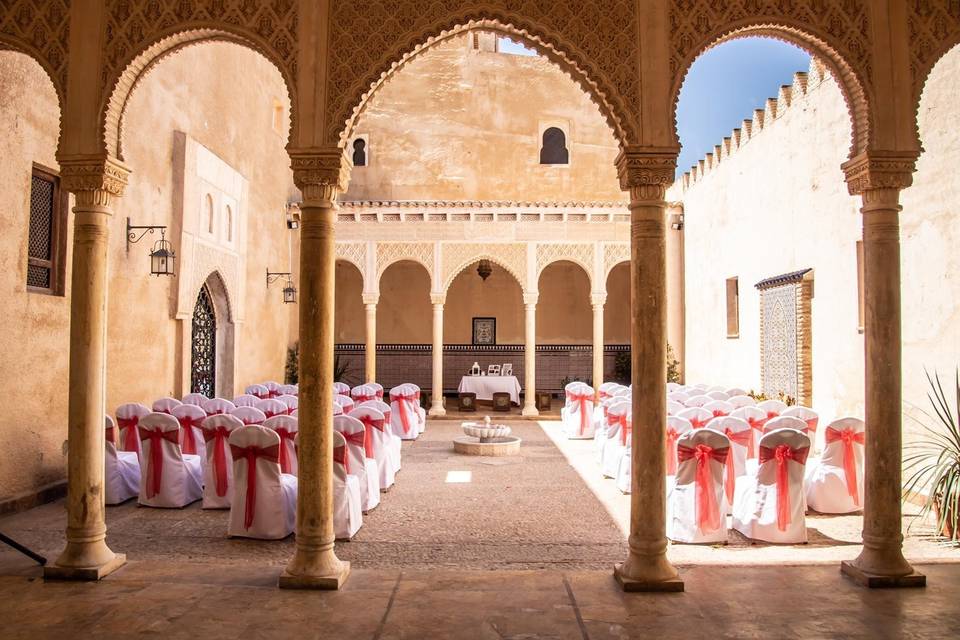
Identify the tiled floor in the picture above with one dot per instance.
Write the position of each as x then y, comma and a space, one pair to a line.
522, 549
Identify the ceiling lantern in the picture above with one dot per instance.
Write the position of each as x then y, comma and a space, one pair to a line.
484, 269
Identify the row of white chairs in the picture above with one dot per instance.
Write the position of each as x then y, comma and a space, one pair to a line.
829, 483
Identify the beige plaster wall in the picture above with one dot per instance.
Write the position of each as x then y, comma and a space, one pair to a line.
779, 203
404, 311
564, 313
461, 124
499, 296
616, 311
349, 327
215, 93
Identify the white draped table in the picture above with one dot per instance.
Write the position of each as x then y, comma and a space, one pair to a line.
486, 386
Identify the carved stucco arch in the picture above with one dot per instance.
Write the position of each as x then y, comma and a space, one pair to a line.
551, 45
852, 80
358, 267
122, 81
221, 291
460, 266
390, 253
614, 254
543, 262
15, 45
935, 31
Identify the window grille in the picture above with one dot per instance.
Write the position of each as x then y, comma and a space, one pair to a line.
47, 234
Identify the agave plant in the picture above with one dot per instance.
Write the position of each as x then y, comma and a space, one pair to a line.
932, 462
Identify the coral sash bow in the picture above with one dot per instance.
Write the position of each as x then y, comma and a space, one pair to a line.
155, 461
849, 437
187, 425
285, 436
340, 457
402, 403
783, 454
672, 437
219, 435
755, 426
708, 510
251, 454
369, 424
128, 426
742, 438
580, 400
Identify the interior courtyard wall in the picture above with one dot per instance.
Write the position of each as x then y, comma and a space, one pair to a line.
616, 310
34, 339
564, 312
224, 97
469, 296
458, 123
349, 319
779, 204
404, 310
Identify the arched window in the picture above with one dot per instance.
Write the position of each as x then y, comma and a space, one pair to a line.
229, 224
209, 213
359, 152
554, 149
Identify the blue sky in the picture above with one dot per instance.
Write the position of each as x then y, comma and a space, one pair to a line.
723, 88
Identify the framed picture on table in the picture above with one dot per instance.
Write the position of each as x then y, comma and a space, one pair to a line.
493, 370
507, 369
484, 331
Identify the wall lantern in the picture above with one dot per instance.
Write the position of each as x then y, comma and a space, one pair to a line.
289, 291
162, 258
484, 269
293, 216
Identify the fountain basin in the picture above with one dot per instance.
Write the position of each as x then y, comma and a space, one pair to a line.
482, 439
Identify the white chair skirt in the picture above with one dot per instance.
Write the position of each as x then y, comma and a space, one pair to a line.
370, 489
612, 453
180, 484
826, 488
276, 508
755, 511
624, 472
347, 511
122, 481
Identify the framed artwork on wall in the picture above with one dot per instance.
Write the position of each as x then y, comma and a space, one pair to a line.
484, 331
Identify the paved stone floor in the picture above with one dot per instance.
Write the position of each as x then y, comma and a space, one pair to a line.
463, 548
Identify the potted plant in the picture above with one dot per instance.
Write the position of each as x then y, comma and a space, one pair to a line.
932, 463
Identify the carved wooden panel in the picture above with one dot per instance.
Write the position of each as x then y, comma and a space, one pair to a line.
41, 30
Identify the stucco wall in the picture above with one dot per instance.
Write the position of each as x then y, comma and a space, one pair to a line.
463, 124
217, 94
778, 204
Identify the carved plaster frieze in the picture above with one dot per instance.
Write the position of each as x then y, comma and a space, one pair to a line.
880, 170
457, 256
646, 172
578, 253
354, 253
391, 252
613, 254
320, 173
93, 179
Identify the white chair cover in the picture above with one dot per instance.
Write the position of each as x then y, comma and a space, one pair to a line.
679, 396
362, 393
604, 391
404, 418
273, 388
347, 509
784, 422
366, 470
346, 403
218, 470
756, 418
218, 406
258, 390
673, 386
289, 390
676, 427
577, 412
291, 402
618, 435
168, 478
287, 428
697, 401
736, 391
719, 408
834, 483
165, 405
421, 413
264, 501
377, 443
769, 504
714, 388
698, 416
128, 416
696, 502
603, 429
718, 395
742, 401
249, 415
674, 407
195, 398
739, 433
377, 389
121, 469
190, 417
273, 407
341, 388
624, 470
809, 417
393, 441
246, 400
772, 408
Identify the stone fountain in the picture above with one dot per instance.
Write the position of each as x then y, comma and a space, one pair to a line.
486, 439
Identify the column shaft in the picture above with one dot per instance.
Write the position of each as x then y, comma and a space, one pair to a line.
597, 347
530, 360
437, 408
370, 353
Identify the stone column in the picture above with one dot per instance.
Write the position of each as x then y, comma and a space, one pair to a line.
437, 408
320, 176
646, 173
530, 355
878, 177
370, 352
95, 183
597, 300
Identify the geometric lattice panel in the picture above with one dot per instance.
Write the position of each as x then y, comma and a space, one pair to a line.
778, 306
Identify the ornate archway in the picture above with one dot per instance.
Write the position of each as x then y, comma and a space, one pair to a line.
203, 349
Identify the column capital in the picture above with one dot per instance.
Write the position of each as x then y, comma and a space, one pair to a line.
320, 173
598, 299
438, 299
530, 297
94, 179
646, 172
371, 299
874, 170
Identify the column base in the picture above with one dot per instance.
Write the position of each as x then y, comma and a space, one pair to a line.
530, 412
630, 585
437, 411
88, 574
331, 582
876, 581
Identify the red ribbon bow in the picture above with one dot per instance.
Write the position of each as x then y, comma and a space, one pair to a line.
742, 438
402, 401
251, 454
672, 436
708, 510
698, 423
189, 437
368, 424
220, 435
340, 457
719, 413
285, 465
363, 398
155, 462
849, 438
358, 438
783, 454
581, 400
130, 439
621, 420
